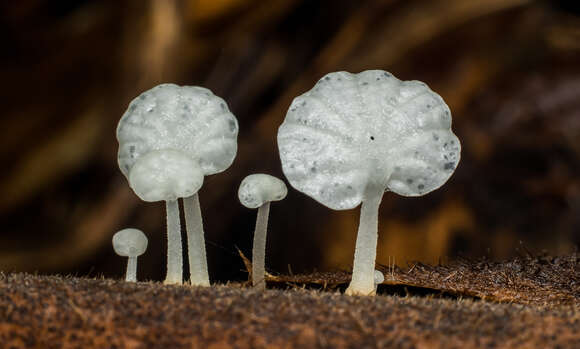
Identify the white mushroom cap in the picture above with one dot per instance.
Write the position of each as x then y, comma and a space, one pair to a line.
130, 242
379, 277
356, 133
257, 189
165, 175
186, 119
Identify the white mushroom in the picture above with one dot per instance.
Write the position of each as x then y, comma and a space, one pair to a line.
169, 139
379, 278
257, 191
130, 243
354, 136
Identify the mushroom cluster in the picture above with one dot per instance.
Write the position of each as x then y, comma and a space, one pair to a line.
344, 143
170, 137
354, 136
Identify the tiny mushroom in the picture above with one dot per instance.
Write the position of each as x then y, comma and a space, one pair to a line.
379, 279
354, 136
130, 243
170, 137
257, 191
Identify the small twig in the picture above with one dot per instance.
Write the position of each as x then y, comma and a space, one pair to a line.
450, 276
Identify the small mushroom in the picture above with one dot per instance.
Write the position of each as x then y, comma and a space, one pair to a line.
354, 136
379, 279
257, 191
130, 243
170, 137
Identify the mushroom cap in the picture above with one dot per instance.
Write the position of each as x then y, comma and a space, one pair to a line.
257, 189
188, 119
165, 175
379, 277
129, 242
353, 134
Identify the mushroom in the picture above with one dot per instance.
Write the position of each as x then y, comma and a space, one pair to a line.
130, 243
257, 191
354, 136
170, 137
379, 278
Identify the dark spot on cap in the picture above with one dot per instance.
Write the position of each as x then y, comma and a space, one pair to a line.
435, 137
131, 149
349, 187
327, 78
449, 166
409, 181
303, 103
428, 106
232, 125
372, 138
143, 96
421, 186
223, 106
365, 83
313, 169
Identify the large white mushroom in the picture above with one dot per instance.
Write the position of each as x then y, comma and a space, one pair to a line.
170, 137
257, 191
354, 136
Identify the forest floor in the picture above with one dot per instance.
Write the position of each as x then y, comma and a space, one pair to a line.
530, 302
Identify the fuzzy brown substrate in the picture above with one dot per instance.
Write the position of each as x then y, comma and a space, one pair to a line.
53, 311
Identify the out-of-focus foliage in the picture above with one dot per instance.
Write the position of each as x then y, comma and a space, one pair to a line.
507, 68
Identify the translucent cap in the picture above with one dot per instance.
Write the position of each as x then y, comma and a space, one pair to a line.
187, 119
129, 242
353, 134
165, 175
379, 277
257, 189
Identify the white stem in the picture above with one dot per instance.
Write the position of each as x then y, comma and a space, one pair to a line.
131, 270
174, 249
198, 272
259, 248
365, 254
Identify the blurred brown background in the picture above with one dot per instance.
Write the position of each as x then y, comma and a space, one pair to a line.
509, 70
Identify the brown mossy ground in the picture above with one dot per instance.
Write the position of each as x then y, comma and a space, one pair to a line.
448, 306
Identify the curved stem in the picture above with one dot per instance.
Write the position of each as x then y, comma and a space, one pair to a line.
365, 254
259, 248
131, 270
174, 249
198, 272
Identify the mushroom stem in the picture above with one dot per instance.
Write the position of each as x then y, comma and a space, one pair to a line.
131, 270
259, 248
365, 254
174, 249
198, 272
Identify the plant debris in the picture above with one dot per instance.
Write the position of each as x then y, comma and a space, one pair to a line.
538, 280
